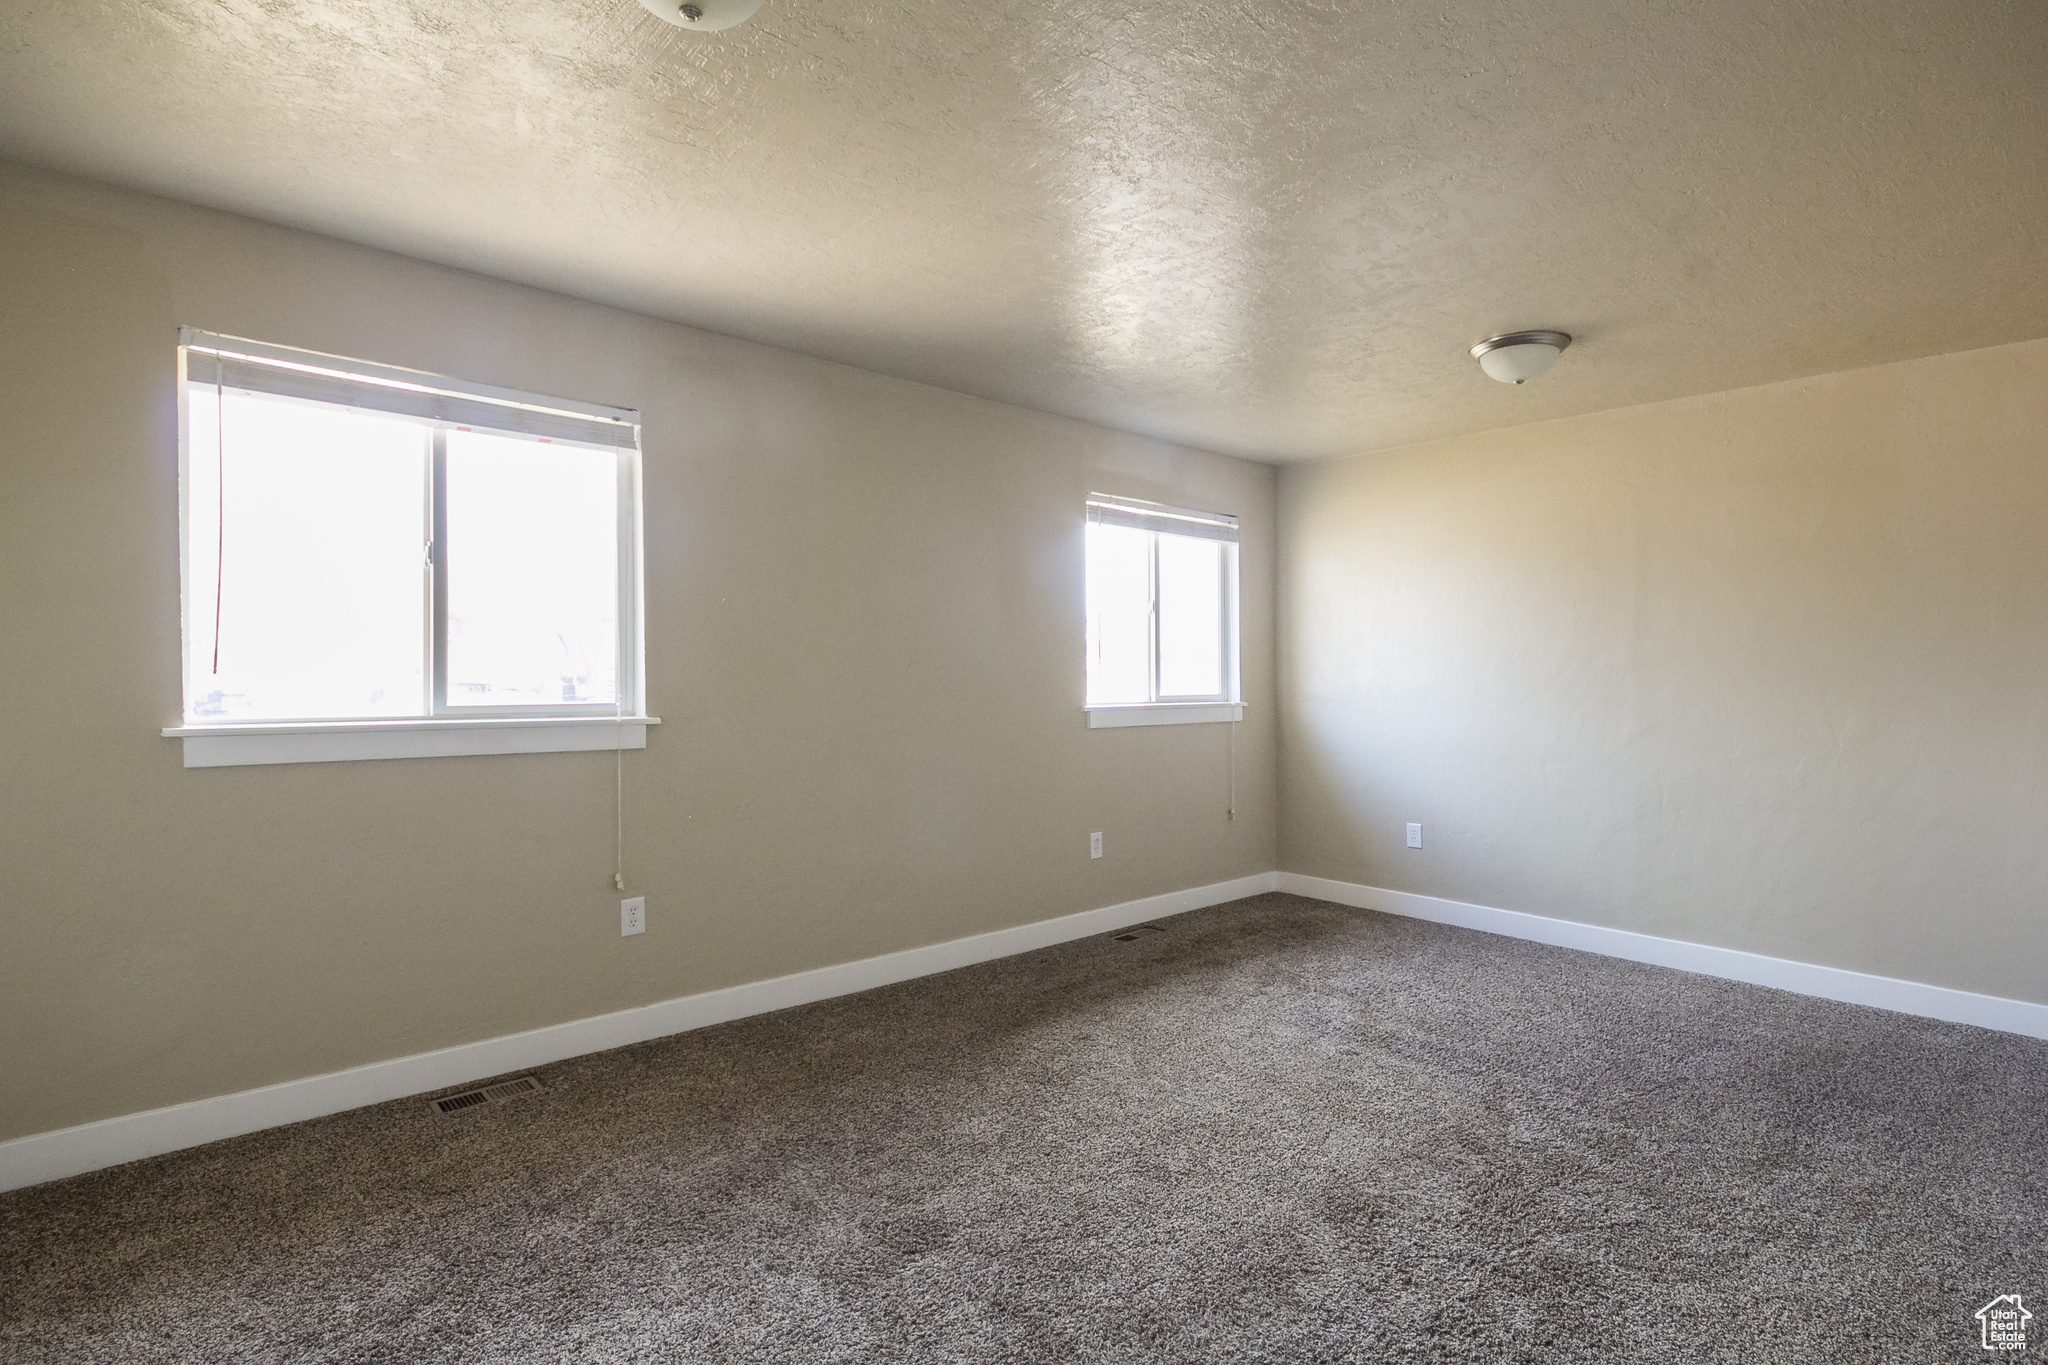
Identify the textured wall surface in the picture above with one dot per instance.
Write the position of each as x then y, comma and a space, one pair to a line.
1763, 670
1270, 228
864, 640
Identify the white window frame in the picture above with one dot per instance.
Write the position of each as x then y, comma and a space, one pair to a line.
1164, 709
444, 404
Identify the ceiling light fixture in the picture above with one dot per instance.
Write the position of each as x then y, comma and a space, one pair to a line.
1518, 357
703, 16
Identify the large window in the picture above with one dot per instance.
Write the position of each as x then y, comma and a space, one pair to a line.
377, 552
1162, 613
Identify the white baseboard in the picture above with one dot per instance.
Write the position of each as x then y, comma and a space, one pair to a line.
1829, 983
72, 1151
89, 1147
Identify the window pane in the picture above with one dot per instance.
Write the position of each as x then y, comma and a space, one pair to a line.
1119, 615
1190, 617
533, 572
321, 573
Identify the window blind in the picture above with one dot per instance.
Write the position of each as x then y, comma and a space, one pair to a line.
257, 367
1152, 516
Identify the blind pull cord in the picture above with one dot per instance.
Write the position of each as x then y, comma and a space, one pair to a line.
619, 752
220, 508
1233, 770
618, 801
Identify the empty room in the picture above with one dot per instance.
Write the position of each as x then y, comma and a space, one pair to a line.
1202, 681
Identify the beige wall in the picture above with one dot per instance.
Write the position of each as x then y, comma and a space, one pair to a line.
864, 639
1766, 670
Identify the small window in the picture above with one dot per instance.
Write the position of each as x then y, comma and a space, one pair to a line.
378, 550
1162, 614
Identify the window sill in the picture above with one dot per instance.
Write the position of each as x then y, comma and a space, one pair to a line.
1164, 713
229, 746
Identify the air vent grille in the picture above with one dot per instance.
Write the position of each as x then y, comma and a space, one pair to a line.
505, 1090
489, 1094
1138, 931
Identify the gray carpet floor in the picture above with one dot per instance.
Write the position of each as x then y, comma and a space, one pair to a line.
1280, 1130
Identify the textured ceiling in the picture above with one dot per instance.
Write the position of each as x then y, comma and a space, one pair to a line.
1264, 228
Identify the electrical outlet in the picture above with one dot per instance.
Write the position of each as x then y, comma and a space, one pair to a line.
1414, 835
1095, 844
633, 916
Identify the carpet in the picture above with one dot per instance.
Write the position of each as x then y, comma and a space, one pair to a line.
1279, 1130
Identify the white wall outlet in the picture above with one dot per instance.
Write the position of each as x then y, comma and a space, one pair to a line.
1414, 835
1095, 844
633, 916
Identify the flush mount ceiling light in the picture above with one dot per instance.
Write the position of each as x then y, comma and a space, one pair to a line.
1518, 357
704, 16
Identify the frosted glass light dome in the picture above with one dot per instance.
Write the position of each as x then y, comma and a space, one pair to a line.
703, 16
1518, 357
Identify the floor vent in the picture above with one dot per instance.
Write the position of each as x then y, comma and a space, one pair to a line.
1137, 932
490, 1094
